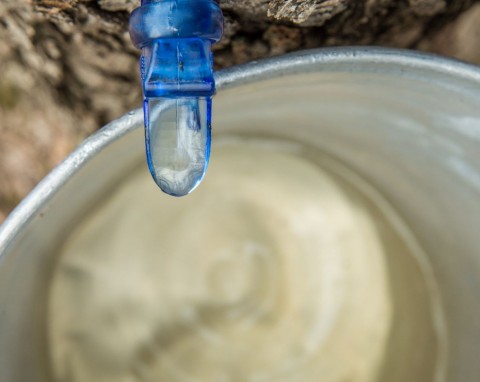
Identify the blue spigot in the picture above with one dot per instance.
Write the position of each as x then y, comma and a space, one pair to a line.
176, 68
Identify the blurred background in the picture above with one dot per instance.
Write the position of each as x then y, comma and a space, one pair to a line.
68, 66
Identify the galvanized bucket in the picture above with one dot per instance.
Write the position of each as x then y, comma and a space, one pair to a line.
407, 123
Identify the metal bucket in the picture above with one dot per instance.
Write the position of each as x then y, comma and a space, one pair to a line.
405, 122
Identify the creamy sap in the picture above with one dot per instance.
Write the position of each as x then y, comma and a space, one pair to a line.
281, 266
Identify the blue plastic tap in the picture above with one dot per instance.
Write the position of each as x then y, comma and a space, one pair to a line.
176, 68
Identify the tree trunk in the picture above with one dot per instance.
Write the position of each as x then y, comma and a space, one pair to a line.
68, 66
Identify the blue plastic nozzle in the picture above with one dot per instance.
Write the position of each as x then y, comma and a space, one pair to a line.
176, 69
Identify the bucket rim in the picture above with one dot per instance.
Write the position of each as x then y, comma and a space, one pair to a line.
340, 59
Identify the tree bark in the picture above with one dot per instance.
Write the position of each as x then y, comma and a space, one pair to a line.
68, 66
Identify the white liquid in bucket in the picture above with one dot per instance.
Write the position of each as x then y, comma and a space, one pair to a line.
282, 266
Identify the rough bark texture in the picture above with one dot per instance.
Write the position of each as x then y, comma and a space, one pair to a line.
68, 67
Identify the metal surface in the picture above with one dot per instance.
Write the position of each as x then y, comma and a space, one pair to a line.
428, 67
407, 122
